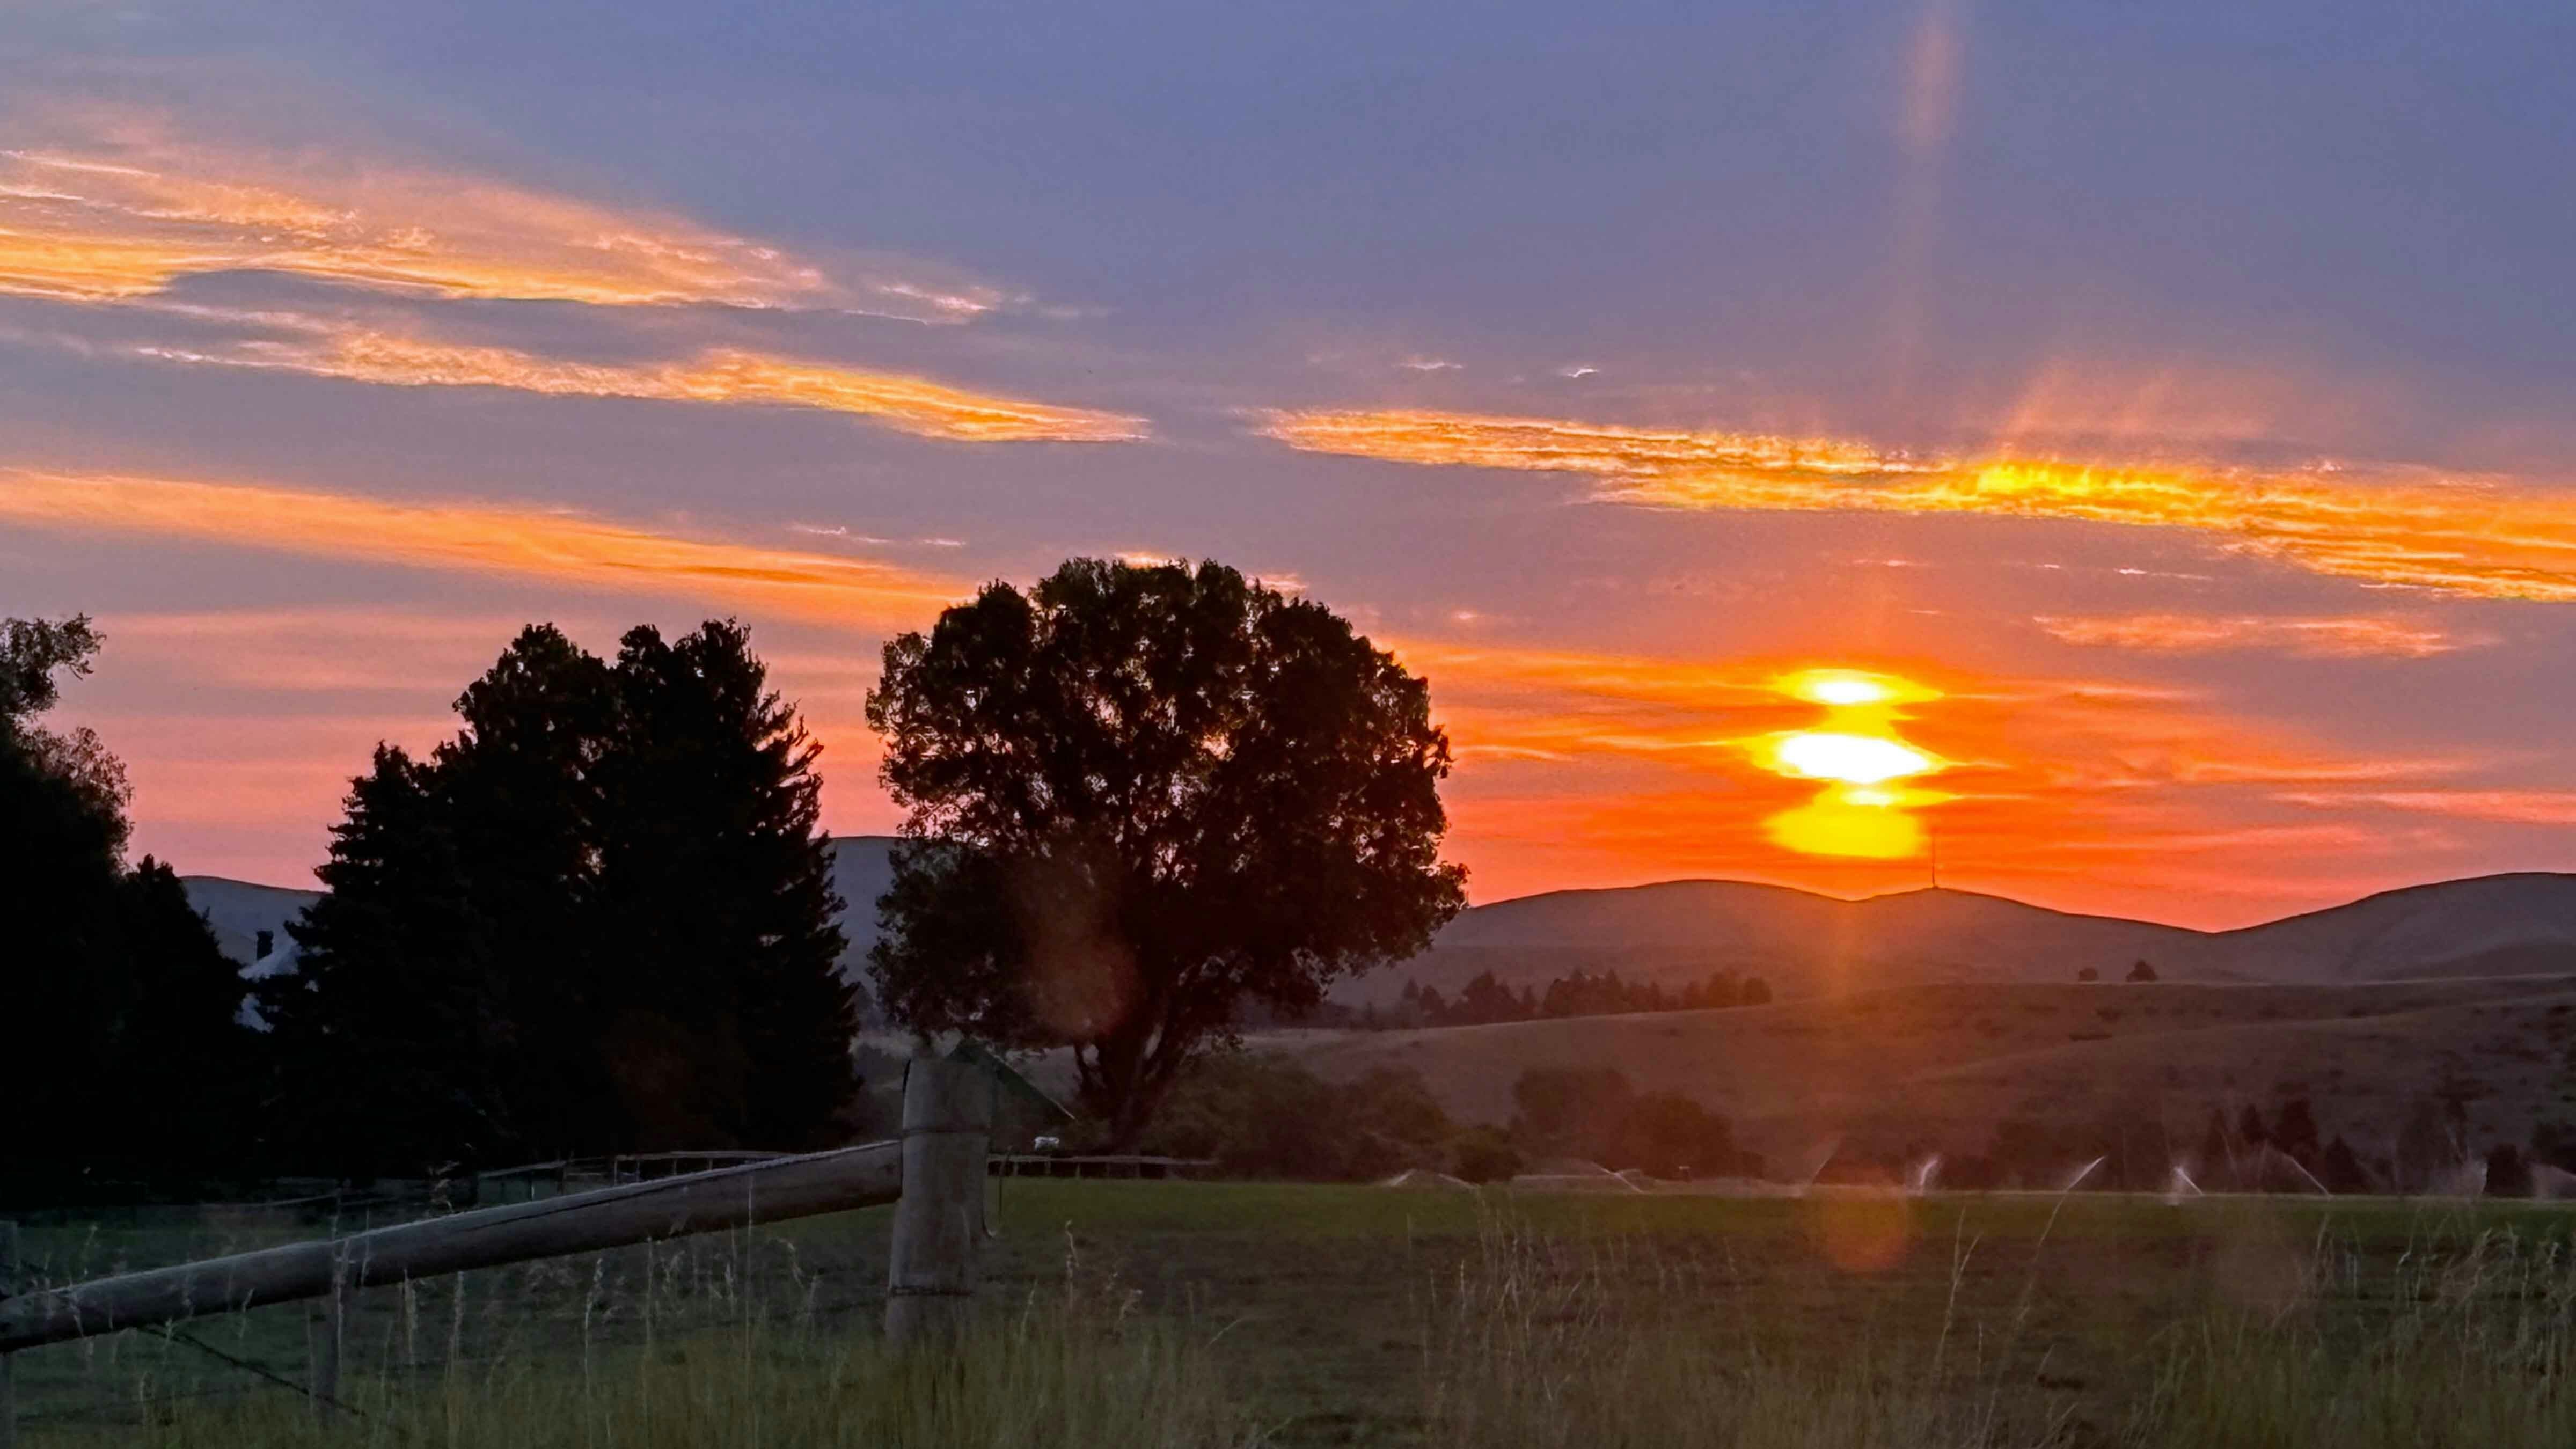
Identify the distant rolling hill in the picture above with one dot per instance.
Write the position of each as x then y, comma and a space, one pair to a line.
2448, 929
1806, 944
239, 910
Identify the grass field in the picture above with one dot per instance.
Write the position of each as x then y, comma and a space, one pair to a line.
1211, 1313
1937, 1067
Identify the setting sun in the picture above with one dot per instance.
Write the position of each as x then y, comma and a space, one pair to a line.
1854, 759
1856, 752
1852, 688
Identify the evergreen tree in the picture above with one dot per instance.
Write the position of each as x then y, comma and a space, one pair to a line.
518, 792
600, 918
390, 1031
1484, 1000
716, 886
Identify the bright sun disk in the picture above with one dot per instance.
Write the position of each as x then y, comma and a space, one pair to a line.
1852, 759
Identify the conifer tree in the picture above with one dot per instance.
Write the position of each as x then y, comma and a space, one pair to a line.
390, 1033
518, 791
598, 919
716, 886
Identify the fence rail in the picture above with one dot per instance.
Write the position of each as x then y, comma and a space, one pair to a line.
609, 1217
933, 1173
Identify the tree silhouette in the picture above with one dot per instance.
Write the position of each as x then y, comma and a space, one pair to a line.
2294, 1131
599, 918
177, 1054
711, 855
128, 1063
519, 790
2250, 1130
392, 1033
2340, 1169
1138, 798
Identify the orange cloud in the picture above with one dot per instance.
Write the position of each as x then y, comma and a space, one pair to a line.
2467, 538
725, 375
2351, 637
132, 211
327, 650
1562, 446
2512, 807
478, 538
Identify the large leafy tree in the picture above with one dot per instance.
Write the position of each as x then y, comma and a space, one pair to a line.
1139, 798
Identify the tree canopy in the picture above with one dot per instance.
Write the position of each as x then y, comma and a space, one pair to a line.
129, 1063
598, 918
1139, 797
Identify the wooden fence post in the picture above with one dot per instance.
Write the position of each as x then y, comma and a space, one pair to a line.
939, 1220
326, 1359
8, 1375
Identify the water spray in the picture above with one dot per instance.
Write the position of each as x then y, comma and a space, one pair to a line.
2084, 1172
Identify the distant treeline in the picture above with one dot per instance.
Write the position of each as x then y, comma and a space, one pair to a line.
2433, 1149
1484, 1000
1265, 1115
1262, 1115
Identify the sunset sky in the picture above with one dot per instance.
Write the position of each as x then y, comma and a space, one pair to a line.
2120, 449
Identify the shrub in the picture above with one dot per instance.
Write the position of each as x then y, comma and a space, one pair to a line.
1485, 1154
1594, 1113
1265, 1116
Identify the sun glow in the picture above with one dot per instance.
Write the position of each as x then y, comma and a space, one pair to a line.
1850, 758
1851, 688
1861, 812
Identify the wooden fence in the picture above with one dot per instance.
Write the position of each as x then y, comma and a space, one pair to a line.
933, 1172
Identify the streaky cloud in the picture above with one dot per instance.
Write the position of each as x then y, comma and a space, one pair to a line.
910, 404
2477, 538
517, 541
130, 217
2359, 636
2509, 807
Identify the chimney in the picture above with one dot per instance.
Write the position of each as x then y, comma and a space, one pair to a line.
267, 940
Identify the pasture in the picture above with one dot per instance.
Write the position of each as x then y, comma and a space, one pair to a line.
1911, 1069
1206, 1313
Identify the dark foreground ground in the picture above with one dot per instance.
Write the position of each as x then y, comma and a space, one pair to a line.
1338, 1314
